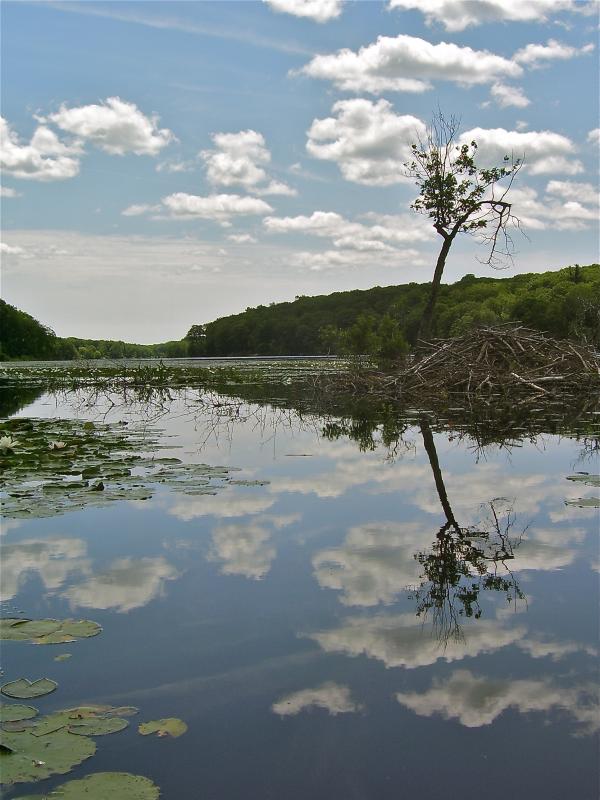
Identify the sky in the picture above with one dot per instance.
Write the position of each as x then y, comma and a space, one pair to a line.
168, 163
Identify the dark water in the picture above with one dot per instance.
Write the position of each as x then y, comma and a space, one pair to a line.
328, 635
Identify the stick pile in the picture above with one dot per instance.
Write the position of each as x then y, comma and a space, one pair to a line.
504, 360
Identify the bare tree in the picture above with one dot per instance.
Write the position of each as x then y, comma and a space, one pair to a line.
460, 197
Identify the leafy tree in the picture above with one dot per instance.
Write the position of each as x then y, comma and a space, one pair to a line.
459, 197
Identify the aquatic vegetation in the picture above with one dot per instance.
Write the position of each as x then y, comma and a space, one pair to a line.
23, 688
100, 785
171, 726
11, 712
584, 502
586, 478
63, 465
48, 631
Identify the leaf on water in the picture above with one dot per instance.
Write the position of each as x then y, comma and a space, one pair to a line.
13, 712
63, 657
584, 502
33, 758
584, 477
48, 631
24, 688
171, 726
98, 726
103, 785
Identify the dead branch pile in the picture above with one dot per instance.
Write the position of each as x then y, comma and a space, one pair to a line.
507, 360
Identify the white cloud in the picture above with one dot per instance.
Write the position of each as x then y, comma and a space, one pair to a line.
594, 136
239, 159
242, 238
52, 559
408, 64
333, 697
12, 249
332, 259
127, 584
456, 15
45, 158
367, 140
346, 235
509, 96
7, 191
137, 209
115, 126
187, 507
243, 550
317, 10
175, 166
218, 207
401, 640
476, 701
544, 151
533, 55
576, 192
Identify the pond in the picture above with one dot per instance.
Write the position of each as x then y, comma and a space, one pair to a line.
333, 605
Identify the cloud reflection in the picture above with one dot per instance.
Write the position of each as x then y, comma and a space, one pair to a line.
333, 697
52, 559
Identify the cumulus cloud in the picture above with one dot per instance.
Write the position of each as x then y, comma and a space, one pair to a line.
45, 158
7, 191
367, 140
52, 559
317, 10
333, 697
509, 96
374, 564
243, 550
387, 232
239, 159
115, 126
127, 584
456, 15
188, 507
242, 238
408, 64
477, 701
138, 209
594, 136
557, 210
534, 55
12, 249
401, 640
544, 151
217, 207
574, 191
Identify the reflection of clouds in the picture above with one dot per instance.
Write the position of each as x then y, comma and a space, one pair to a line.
546, 549
52, 559
476, 701
401, 640
188, 507
333, 697
540, 648
128, 583
246, 548
243, 549
375, 562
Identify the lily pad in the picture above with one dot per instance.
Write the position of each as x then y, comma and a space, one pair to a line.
584, 477
13, 712
102, 785
98, 726
25, 757
24, 688
171, 726
63, 657
584, 502
48, 631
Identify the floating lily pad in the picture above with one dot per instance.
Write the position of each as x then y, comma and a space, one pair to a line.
48, 631
63, 657
24, 688
99, 726
102, 785
171, 726
13, 712
584, 502
584, 477
25, 757
248, 483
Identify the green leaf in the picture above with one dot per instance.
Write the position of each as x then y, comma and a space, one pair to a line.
103, 785
171, 726
10, 712
33, 758
98, 726
24, 688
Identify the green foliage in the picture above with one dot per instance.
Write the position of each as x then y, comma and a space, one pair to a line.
23, 336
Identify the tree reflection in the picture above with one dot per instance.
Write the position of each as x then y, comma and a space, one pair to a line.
463, 561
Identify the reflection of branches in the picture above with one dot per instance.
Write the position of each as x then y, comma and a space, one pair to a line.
463, 561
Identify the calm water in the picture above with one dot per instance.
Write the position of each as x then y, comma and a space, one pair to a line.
313, 631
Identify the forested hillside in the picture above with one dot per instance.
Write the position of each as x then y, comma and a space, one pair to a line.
565, 303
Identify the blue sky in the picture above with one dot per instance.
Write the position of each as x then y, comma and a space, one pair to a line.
168, 163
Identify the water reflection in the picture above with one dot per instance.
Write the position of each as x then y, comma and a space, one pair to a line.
333, 697
53, 559
476, 701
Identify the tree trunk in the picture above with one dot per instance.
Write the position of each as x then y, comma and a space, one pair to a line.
429, 445
426, 318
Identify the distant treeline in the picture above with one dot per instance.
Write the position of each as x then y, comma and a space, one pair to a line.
382, 320
564, 303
